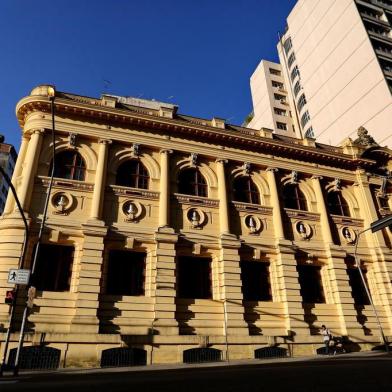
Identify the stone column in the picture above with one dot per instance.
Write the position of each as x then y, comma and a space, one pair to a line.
164, 188
324, 219
222, 192
10, 203
275, 202
30, 167
100, 180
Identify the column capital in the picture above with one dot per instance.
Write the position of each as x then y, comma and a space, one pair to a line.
316, 177
36, 131
221, 160
105, 141
166, 151
272, 169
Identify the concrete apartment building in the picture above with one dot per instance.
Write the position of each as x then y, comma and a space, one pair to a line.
336, 61
7, 161
173, 236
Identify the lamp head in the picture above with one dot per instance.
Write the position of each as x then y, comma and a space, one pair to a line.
51, 92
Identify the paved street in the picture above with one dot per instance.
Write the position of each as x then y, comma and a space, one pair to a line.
318, 375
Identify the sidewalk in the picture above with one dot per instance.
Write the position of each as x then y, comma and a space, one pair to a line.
243, 362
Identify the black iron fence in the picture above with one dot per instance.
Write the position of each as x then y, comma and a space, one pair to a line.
123, 356
198, 355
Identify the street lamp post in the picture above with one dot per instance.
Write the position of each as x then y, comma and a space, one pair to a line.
20, 265
51, 95
375, 226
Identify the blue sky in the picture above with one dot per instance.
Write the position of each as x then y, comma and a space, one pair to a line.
197, 54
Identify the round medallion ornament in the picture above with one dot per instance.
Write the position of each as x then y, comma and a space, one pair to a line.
253, 224
196, 217
132, 210
349, 235
62, 203
304, 230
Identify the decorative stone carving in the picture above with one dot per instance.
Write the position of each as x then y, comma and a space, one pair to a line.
132, 210
193, 158
135, 150
349, 235
304, 230
253, 224
72, 139
62, 203
364, 139
246, 167
294, 177
196, 217
337, 184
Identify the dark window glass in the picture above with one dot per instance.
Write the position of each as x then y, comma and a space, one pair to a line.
194, 277
191, 182
246, 191
125, 274
255, 278
358, 291
54, 268
69, 165
294, 198
310, 281
337, 205
132, 174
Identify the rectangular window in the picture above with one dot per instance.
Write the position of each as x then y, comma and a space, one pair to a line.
311, 286
54, 267
125, 275
301, 102
305, 118
297, 88
255, 278
294, 73
279, 97
280, 112
291, 60
281, 126
275, 72
194, 277
277, 84
287, 45
358, 290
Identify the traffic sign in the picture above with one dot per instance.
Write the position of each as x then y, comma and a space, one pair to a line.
19, 276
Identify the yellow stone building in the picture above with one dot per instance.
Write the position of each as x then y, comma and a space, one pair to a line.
167, 232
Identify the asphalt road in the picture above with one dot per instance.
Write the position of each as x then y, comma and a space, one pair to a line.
374, 375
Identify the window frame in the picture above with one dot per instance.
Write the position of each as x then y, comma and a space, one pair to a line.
77, 170
196, 186
299, 199
252, 194
138, 178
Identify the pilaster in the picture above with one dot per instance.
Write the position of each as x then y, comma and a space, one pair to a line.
165, 283
275, 202
88, 277
164, 188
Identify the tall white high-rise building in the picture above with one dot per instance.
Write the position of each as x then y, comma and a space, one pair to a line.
336, 63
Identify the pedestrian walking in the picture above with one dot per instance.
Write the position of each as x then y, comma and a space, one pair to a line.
326, 334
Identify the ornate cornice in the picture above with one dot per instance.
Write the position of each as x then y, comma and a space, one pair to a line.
299, 214
136, 193
196, 200
63, 183
240, 206
347, 221
70, 105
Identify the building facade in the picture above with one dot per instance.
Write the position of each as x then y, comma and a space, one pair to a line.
167, 233
7, 162
336, 59
271, 106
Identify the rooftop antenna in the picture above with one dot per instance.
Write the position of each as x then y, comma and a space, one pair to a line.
106, 84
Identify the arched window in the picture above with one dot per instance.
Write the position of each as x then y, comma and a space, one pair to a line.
133, 174
191, 182
337, 205
245, 190
69, 165
294, 198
